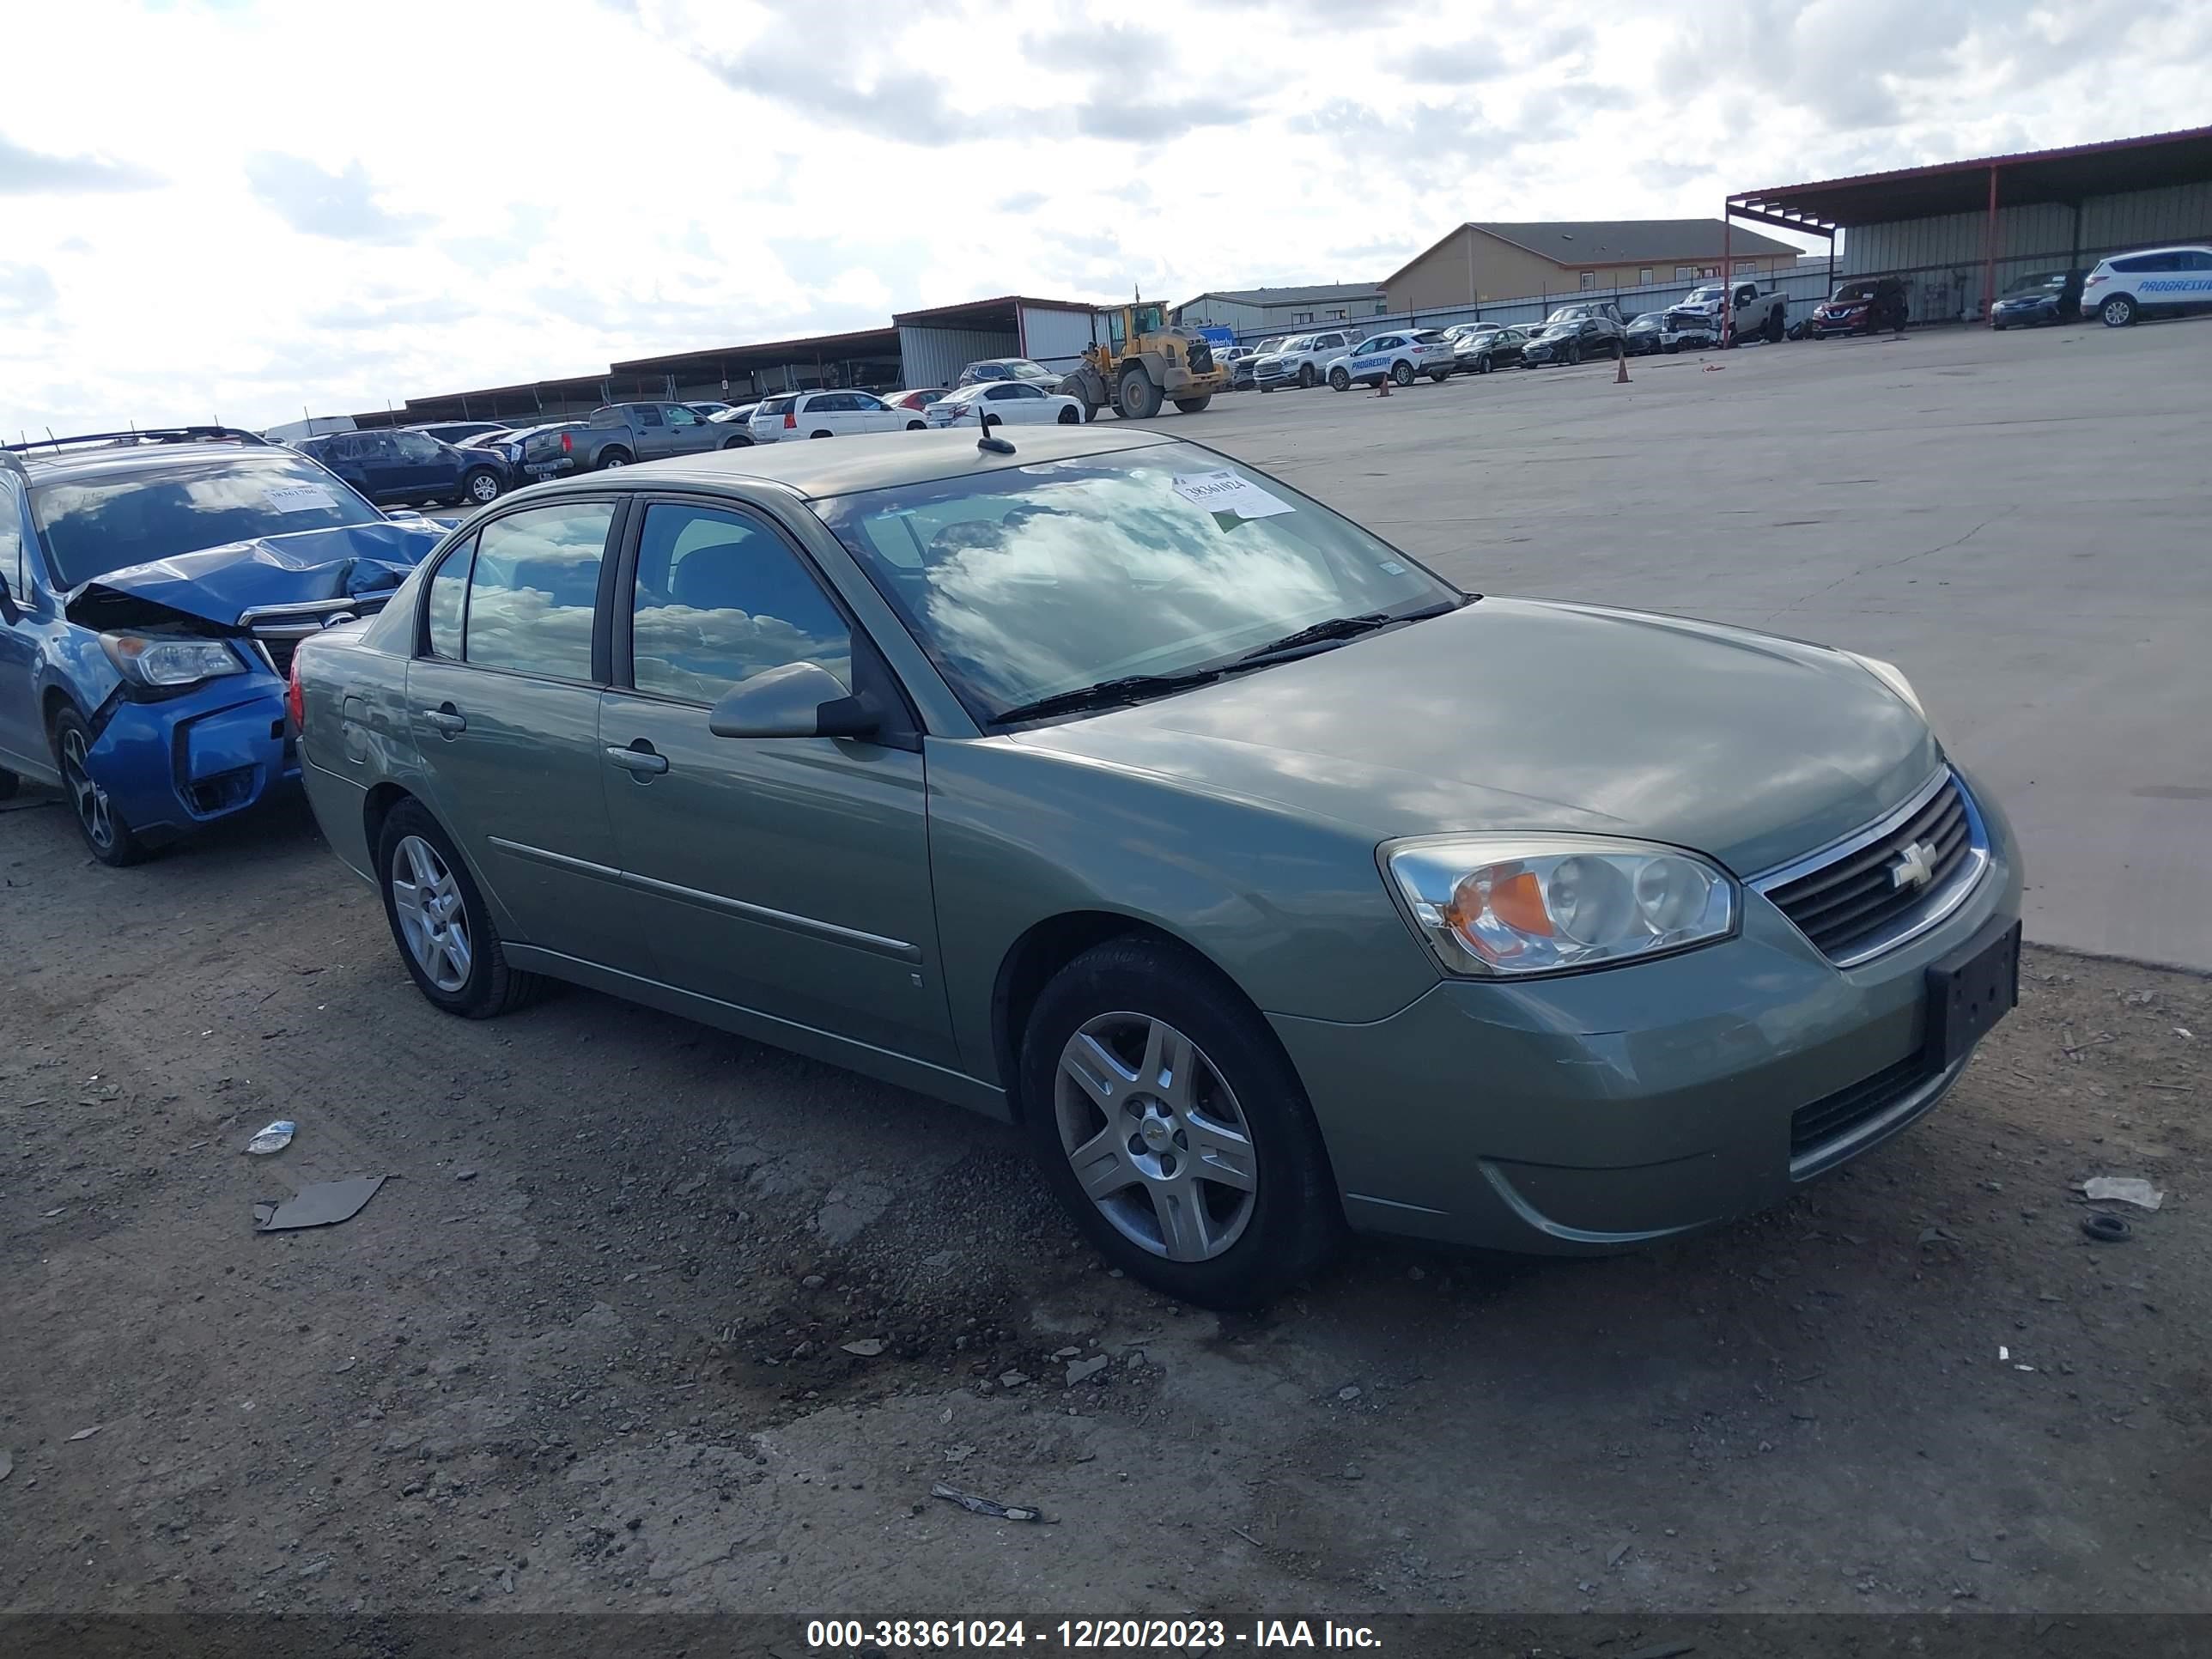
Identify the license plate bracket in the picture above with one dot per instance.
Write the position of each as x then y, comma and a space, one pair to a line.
1970, 990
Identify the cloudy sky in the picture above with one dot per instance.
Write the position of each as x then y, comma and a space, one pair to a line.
233, 209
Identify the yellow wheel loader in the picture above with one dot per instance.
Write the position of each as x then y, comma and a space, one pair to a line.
1136, 361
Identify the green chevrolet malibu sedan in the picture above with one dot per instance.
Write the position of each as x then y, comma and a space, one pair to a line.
1270, 883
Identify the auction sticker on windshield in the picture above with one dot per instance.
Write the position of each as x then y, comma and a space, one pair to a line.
1225, 492
300, 498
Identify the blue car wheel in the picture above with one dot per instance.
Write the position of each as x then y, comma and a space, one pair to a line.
104, 828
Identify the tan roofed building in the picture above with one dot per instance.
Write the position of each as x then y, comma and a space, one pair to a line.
1482, 261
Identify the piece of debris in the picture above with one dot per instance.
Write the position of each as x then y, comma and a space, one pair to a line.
1013, 1379
812, 1282
1664, 1651
51, 1214
2107, 1228
87, 1434
465, 1175
1082, 1371
7, 1464
867, 1347
1933, 1234
2183, 1032
322, 1204
975, 1505
274, 1139
1619, 1554
2004, 1352
1347, 1394
2124, 1189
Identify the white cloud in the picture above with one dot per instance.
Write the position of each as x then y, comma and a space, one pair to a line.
242, 208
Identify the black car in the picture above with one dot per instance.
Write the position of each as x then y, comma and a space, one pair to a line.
1571, 341
2048, 296
411, 468
1643, 337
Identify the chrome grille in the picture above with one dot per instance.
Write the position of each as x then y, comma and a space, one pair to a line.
279, 628
1867, 896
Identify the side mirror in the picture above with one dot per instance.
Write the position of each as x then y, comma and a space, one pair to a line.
798, 699
8, 613
402, 513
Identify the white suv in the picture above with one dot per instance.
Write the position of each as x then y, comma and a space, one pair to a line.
828, 414
2159, 282
1303, 359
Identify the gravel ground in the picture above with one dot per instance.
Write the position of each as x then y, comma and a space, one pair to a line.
595, 1346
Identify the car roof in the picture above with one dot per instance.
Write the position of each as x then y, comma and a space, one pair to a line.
882, 461
122, 460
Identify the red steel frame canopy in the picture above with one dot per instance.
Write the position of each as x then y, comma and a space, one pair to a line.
2031, 177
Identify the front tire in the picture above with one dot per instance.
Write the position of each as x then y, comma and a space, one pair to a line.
747, 443
1306, 377
1171, 1125
483, 487
107, 835
2118, 311
1575, 355
1069, 417
1338, 381
1482, 364
439, 921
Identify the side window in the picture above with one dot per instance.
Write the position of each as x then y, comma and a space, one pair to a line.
647, 415
720, 598
1002, 391
869, 402
534, 588
1028, 389
446, 604
415, 448
678, 415
380, 448
11, 541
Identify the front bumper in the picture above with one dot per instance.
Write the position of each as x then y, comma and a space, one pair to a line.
1847, 324
175, 765
1600, 1111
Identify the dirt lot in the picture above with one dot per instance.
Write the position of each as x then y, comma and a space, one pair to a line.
588, 1350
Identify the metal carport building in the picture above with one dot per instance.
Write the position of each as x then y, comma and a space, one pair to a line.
1960, 231
936, 344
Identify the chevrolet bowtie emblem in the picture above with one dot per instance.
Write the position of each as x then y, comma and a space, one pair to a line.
1915, 867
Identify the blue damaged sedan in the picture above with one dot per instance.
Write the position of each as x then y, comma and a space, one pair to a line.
153, 585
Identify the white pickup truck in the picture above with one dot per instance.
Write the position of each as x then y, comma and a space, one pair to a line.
1751, 310
1302, 360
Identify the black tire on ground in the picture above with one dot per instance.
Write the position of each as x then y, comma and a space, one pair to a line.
491, 987
1194, 405
1295, 1221
617, 457
1670, 347
9, 783
2118, 311
1440, 375
1776, 328
481, 487
1482, 364
1070, 418
1401, 373
1338, 381
1575, 354
821, 434
1306, 376
743, 442
917, 426
106, 835
1136, 398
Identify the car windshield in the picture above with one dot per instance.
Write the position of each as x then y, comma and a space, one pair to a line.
92, 526
1853, 291
1021, 369
1030, 581
2042, 283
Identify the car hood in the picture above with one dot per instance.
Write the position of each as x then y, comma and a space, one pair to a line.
1516, 715
221, 584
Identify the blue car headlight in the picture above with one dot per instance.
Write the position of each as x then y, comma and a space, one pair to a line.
1504, 905
155, 661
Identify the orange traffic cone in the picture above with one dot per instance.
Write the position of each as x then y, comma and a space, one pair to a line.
1383, 386
1620, 375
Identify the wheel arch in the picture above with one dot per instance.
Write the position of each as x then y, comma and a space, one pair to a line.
1048, 945
377, 804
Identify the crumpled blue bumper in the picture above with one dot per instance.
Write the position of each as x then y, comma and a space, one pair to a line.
173, 766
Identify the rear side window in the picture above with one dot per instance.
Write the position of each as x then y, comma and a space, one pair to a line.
535, 587
11, 541
2145, 262
447, 603
776, 406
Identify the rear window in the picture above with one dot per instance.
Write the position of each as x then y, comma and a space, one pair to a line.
91, 527
776, 406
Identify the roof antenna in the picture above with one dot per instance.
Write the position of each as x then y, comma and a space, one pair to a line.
988, 444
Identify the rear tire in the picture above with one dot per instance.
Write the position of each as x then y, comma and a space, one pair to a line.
611, 458
1251, 1209
2118, 311
456, 958
1194, 405
1338, 381
106, 835
1401, 373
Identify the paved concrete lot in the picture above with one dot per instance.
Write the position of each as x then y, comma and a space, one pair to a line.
590, 1350
2018, 521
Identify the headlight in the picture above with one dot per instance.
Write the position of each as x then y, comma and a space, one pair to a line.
1892, 676
148, 661
1512, 904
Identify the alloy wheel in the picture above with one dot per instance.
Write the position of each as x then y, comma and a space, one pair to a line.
88, 797
433, 917
1155, 1136
483, 489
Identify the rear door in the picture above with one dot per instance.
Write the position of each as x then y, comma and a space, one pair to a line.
503, 698
787, 876
648, 431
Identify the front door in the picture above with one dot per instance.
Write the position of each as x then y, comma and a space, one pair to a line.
686, 433
504, 703
22, 736
787, 876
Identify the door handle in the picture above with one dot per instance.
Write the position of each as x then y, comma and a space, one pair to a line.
448, 720
640, 763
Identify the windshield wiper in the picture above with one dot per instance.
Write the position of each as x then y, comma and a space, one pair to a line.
1106, 694
1338, 627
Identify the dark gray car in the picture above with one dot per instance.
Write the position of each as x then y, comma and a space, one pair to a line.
1100, 783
